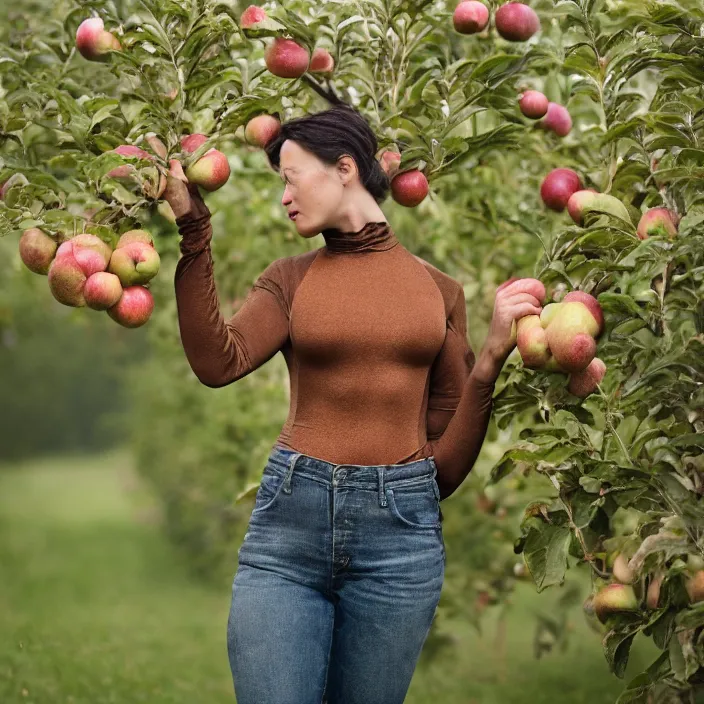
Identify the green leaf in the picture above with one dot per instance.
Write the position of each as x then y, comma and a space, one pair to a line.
545, 551
617, 645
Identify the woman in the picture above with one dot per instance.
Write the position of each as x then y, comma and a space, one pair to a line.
341, 568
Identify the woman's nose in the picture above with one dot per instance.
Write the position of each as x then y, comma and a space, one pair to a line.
286, 198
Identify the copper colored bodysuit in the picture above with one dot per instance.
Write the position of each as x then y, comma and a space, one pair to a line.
375, 340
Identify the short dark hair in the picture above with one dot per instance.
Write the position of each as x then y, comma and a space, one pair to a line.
331, 133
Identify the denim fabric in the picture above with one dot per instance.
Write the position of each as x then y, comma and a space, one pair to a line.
339, 578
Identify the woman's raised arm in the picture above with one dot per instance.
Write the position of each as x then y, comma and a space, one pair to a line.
219, 351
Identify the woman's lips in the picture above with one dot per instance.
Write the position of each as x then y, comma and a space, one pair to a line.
293, 215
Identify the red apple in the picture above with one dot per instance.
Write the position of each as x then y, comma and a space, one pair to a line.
558, 186
191, 142
390, 162
516, 22
252, 16
134, 307
470, 17
102, 290
210, 172
127, 170
93, 42
657, 221
409, 188
91, 253
533, 104
261, 129
37, 250
286, 58
321, 61
557, 119
576, 203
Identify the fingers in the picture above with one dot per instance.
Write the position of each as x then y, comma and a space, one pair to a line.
176, 170
523, 298
527, 285
520, 310
177, 195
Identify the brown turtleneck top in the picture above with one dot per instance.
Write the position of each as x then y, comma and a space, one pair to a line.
375, 340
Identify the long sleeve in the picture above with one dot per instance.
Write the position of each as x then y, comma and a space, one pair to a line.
459, 405
219, 351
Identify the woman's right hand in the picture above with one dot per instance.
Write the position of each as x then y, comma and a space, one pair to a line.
183, 197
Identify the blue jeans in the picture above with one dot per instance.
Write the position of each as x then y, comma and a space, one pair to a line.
338, 581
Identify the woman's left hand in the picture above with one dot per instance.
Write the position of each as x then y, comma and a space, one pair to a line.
515, 299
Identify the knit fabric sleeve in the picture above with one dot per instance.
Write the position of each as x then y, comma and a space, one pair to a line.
221, 351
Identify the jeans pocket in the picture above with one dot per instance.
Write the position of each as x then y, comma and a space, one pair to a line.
415, 504
269, 487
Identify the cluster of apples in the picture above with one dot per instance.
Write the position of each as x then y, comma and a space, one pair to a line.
288, 59
620, 595
514, 21
211, 171
562, 188
563, 339
86, 271
283, 57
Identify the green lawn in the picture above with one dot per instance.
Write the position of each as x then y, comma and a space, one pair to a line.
97, 607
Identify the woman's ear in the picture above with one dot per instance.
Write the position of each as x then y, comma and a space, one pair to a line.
346, 168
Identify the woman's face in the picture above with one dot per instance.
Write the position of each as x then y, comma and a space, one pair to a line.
312, 188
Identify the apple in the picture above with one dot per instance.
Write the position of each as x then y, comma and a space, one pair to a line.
593, 306
548, 312
531, 341
37, 250
134, 263
620, 570
557, 118
694, 585
558, 186
134, 236
321, 61
585, 382
390, 162
91, 253
93, 42
127, 170
191, 142
66, 278
516, 22
652, 597
102, 290
657, 221
533, 104
261, 129
252, 16
286, 58
134, 307
614, 598
470, 17
210, 172
409, 188
589, 200
570, 336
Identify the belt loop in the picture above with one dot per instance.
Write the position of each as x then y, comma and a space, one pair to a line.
382, 492
289, 472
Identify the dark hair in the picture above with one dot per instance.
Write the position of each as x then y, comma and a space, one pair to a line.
331, 133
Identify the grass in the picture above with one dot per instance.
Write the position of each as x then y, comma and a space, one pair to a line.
97, 607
